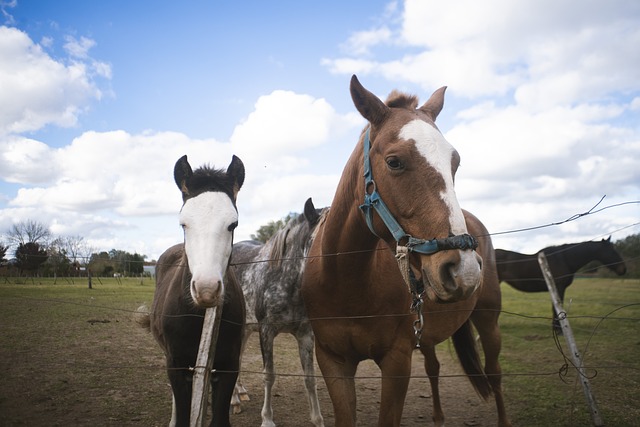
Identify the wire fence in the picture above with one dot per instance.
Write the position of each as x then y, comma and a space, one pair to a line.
562, 369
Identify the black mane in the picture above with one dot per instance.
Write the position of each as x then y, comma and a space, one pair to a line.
207, 178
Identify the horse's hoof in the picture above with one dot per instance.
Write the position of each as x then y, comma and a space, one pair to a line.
244, 397
236, 409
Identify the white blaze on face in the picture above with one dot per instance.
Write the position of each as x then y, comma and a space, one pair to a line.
438, 153
206, 220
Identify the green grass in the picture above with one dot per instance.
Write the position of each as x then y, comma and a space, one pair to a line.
70, 355
81, 346
538, 389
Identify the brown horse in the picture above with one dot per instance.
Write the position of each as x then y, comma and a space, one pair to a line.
522, 271
485, 318
355, 293
193, 276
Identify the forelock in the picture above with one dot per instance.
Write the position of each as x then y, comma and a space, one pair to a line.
398, 99
207, 178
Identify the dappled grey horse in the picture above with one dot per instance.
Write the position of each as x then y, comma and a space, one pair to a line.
270, 276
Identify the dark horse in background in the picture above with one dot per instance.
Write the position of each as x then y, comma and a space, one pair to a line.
523, 272
270, 275
194, 276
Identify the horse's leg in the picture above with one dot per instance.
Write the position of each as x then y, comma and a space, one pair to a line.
432, 368
486, 323
174, 419
304, 336
338, 373
267, 336
181, 381
240, 393
396, 372
223, 383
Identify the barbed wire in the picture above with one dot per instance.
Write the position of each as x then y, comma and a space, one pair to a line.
573, 217
562, 371
333, 318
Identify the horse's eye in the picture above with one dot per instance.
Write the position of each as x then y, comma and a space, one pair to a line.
183, 226
232, 226
394, 163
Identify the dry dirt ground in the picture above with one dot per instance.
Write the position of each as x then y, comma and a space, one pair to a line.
106, 371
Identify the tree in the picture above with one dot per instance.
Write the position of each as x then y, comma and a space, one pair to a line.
265, 232
30, 256
3, 253
136, 264
117, 261
58, 262
629, 249
76, 248
28, 231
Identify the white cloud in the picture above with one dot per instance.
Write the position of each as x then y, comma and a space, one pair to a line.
349, 65
547, 122
124, 182
360, 42
282, 127
78, 48
550, 53
4, 6
36, 90
283, 121
25, 161
543, 98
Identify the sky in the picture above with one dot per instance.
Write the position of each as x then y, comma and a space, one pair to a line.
98, 100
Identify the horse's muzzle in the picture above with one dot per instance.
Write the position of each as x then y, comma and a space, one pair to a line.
452, 276
206, 295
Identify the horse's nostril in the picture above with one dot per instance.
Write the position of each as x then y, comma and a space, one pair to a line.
448, 276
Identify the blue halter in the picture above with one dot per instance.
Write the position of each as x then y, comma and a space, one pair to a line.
374, 201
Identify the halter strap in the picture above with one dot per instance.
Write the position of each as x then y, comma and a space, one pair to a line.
373, 201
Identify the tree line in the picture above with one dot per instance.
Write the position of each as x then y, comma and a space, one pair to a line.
37, 252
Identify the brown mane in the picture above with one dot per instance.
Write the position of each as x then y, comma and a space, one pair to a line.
397, 99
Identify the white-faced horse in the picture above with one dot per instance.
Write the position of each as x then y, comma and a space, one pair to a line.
193, 276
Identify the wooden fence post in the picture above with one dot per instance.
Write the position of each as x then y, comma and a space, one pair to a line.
568, 336
204, 365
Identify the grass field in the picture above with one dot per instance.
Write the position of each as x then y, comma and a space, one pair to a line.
70, 355
605, 318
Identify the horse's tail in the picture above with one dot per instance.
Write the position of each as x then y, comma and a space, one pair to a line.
142, 317
467, 351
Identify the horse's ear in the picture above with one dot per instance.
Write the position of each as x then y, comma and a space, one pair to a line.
369, 105
434, 104
236, 172
310, 212
609, 239
181, 174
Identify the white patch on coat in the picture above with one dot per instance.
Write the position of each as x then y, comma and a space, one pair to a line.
438, 153
207, 239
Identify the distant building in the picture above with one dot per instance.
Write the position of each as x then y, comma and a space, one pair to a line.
150, 270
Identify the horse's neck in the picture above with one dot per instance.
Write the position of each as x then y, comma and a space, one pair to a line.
345, 229
580, 254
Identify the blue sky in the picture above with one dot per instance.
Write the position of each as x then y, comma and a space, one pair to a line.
99, 99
